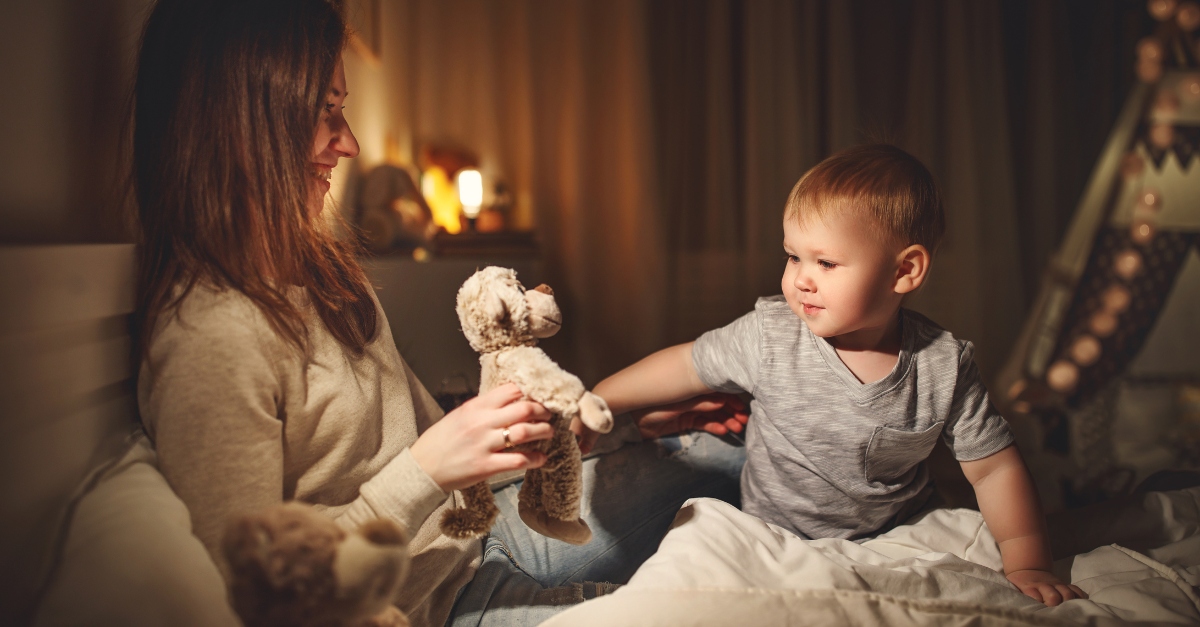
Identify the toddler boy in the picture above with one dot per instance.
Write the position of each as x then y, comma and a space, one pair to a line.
851, 391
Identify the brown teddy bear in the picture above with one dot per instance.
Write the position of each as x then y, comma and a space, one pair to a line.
503, 322
291, 565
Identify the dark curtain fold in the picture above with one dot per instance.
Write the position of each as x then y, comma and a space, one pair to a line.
655, 141
1007, 102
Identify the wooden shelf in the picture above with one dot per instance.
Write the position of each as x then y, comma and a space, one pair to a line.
471, 243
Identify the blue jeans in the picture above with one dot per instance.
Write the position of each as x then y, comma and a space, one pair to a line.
630, 498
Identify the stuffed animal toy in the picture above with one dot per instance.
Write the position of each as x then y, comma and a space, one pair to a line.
503, 322
291, 565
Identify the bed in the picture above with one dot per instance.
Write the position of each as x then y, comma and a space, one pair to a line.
719, 566
95, 536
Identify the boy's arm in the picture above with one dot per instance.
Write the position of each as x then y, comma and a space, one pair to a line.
667, 382
1010, 507
664, 377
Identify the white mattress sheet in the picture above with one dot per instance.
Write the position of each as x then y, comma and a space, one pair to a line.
718, 565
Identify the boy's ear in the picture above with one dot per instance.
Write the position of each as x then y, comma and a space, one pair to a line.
911, 269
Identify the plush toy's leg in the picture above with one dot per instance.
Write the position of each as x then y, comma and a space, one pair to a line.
530, 496
475, 518
549, 500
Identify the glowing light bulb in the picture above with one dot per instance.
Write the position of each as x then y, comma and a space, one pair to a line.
1149, 49
1162, 10
1166, 104
470, 192
1016, 388
1149, 199
1128, 264
1132, 165
1188, 16
1062, 376
1149, 70
1085, 350
1116, 299
1189, 86
1141, 232
1162, 135
1102, 324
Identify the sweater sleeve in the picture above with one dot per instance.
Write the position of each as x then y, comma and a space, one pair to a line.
211, 396
402, 491
208, 393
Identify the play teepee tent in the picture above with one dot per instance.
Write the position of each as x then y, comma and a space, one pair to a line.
1121, 298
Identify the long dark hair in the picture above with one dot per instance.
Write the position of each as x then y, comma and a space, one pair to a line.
226, 104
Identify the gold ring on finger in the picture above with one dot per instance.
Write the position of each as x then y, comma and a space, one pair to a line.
507, 442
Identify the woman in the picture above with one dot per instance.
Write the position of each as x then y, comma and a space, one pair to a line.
268, 371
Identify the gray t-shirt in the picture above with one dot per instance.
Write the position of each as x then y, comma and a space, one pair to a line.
826, 455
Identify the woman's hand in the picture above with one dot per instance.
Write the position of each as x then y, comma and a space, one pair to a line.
716, 413
468, 445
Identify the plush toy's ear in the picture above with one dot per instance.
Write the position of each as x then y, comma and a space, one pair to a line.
247, 547
494, 307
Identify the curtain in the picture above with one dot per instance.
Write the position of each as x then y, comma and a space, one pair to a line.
656, 141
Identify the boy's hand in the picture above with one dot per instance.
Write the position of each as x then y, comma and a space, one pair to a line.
1044, 587
716, 413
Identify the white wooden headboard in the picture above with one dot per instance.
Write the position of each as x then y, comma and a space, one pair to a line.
66, 398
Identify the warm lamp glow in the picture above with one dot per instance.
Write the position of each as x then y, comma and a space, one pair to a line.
470, 192
443, 202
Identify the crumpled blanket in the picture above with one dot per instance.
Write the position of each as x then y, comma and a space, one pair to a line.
719, 566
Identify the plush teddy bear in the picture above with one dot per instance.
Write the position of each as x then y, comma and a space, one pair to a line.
291, 565
503, 322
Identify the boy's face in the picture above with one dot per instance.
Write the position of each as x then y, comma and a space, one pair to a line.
840, 279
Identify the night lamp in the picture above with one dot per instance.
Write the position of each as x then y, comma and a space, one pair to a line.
470, 193
439, 194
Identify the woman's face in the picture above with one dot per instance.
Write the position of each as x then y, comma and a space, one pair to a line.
333, 139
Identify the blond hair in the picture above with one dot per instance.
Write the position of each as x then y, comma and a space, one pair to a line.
888, 186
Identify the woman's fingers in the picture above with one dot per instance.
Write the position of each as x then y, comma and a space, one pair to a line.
525, 432
518, 412
498, 397
517, 460
468, 445
509, 406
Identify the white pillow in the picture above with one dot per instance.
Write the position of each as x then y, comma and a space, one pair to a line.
129, 557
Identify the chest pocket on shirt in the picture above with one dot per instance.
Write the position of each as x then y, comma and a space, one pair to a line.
893, 452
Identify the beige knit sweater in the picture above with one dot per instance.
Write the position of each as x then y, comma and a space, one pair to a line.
242, 420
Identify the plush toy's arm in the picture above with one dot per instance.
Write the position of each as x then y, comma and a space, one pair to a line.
594, 413
539, 378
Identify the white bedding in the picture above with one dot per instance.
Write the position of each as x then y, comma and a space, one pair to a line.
718, 566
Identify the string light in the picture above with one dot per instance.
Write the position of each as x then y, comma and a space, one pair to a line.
1141, 231
1151, 54
1102, 324
1062, 376
1085, 351
1116, 299
1162, 135
1188, 16
1162, 10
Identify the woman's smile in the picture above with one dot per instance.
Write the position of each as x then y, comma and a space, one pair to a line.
323, 173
